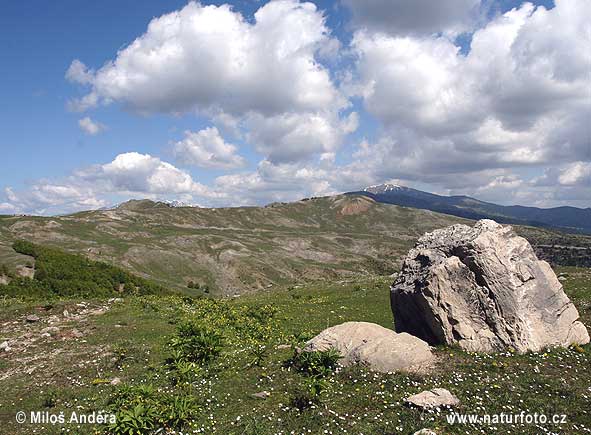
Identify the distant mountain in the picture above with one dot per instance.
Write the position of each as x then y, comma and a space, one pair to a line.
569, 219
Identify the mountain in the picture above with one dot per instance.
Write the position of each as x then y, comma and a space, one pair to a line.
233, 250
569, 219
236, 250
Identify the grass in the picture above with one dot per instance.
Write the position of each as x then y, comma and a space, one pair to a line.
132, 340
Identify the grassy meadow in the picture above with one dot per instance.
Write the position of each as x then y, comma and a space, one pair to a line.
176, 364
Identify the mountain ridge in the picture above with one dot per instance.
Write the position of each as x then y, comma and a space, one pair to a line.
563, 218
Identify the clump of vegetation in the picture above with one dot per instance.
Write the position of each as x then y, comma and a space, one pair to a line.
61, 274
144, 408
196, 342
317, 364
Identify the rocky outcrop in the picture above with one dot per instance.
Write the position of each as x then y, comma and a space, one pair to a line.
435, 398
484, 289
379, 348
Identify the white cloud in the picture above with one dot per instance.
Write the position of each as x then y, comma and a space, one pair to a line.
414, 17
129, 175
578, 173
210, 59
268, 66
294, 137
207, 149
79, 73
90, 127
519, 98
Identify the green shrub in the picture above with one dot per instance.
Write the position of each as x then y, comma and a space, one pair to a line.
318, 363
197, 342
62, 274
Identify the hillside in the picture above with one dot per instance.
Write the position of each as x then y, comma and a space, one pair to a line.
570, 219
230, 251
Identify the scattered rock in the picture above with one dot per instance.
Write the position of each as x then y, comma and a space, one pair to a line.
115, 381
484, 289
5, 346
283, 346
76, 334
261, 395
51, 330
562, 278
434, 398
66, 313
32, 318
425, 432
380, 348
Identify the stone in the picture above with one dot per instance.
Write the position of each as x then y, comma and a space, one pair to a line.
435, 398
425, 432
51, 330
32, 318
261, 395
5, 346
484, 289
115, 381
379, 348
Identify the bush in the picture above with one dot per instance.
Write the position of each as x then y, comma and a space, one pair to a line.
196, 342
318, 363
62, 274
143, 409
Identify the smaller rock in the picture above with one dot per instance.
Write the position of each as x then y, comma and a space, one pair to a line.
379, 348
76, 334
115, 381
283, 346
562, 278
261, 395
46, 335
66, 313
32, 318
433, 398
5, 346
425, 432
51, 330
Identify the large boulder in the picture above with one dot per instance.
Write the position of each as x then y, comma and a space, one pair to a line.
484, 289
379, 348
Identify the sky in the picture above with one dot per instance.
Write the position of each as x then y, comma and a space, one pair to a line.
250, 102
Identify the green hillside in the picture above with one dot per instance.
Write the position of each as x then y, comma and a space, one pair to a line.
233, 250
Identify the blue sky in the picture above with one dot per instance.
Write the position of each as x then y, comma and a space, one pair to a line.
368, 118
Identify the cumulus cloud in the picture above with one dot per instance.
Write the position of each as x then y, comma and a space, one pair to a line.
129, 175
207, 149
90, 127
268, 66
414, 17
295, 136
518, 98
212, 60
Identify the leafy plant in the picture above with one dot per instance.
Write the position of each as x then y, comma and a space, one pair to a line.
258, 354
196, 342
317, 363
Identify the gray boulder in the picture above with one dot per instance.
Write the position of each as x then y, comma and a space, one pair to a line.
434, 398
484, 289
379, 348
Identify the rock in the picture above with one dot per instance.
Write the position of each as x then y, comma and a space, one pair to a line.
76, 334
32, 318
484, 289
115, 381
283, 346
66, 313
425, 432
379, 348
434, 398
261, 395
5, 346
51, 330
